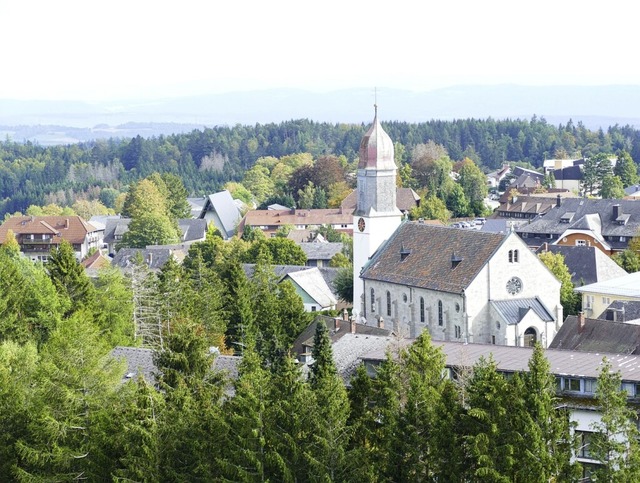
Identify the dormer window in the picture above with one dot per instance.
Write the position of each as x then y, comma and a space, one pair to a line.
567, 217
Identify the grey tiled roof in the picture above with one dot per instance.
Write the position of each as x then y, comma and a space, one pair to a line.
139, 362
627, 310
320, 251
516, 359
603, 209
428, 264
155, 258
192, 229
328, 273
597, 336
513, 310
586, 264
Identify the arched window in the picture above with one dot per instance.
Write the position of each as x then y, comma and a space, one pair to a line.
515, 256
510, 256
422, 309
373, 300
440, 313
388, 303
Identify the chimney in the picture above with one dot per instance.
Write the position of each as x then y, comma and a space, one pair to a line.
617, 211
380, 322
345, 314
558, 201
581, 322
353, 325
66, 223
336, 324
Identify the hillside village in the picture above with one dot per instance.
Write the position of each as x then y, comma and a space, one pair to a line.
331, 304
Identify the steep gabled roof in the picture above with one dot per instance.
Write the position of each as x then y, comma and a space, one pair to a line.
224, 205
428, 263
586, 265
312, 282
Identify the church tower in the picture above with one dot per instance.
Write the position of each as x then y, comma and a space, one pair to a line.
376, 216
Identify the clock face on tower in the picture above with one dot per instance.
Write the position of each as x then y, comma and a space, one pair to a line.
514, 285
361, 224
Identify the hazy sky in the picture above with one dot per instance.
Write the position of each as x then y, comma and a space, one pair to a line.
90, 49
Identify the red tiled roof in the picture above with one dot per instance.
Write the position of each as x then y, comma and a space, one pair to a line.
71, 228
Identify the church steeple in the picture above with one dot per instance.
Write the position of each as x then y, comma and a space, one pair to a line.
376, 216
376, 148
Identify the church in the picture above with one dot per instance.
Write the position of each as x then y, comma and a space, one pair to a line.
460, 285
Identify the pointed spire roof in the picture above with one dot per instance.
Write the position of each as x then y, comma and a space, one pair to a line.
376, 147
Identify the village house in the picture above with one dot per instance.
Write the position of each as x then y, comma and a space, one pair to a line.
222, 211
38, 235
607, 224
597, 297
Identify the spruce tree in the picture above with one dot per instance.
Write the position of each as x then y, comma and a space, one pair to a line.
330, 434
70, 278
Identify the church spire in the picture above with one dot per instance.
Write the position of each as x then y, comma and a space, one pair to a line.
376, 147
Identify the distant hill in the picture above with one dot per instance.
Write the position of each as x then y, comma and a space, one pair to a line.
61, 122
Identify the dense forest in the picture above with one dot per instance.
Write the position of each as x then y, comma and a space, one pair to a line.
207, 160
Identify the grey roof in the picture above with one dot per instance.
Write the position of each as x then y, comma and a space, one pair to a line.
499, 225
338, 327
626, 286
154, 258
586, 264
626, 310
115, 226
328, 273
569, 173
196, 205
226, 208
312, 282
513, 310
192, 230
320, 251
597, 335
428, 263
551, 222
139, 362
629, 190
100, 221
516, 359
348, 350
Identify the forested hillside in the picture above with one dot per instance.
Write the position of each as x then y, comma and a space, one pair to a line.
206, 160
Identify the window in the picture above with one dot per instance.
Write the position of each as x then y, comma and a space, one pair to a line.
571, 384
606, 300
584, 438
623, 238
590, 385
440, 313
313, 308
388, 303
588, 302
422, 318
510, 256
493, 339
515, 256
458, 331
629, 388
373, 300
581, 243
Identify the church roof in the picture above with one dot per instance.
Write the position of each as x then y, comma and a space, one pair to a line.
376, 148
420, 255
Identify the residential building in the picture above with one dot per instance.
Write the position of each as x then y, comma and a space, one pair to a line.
464, 285
269, 221
192, 230
320, 254
38, 235
597, 297
627, 311
606, 224
221, 210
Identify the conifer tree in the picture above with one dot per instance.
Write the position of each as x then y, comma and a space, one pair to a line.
74, 380
330, 434
615, 441
70, 278
244, 439
238, 307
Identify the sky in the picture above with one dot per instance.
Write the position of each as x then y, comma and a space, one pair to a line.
140, 49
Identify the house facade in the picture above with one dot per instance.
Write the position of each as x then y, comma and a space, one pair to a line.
221, 210
597, 297
461, 285
38, 235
